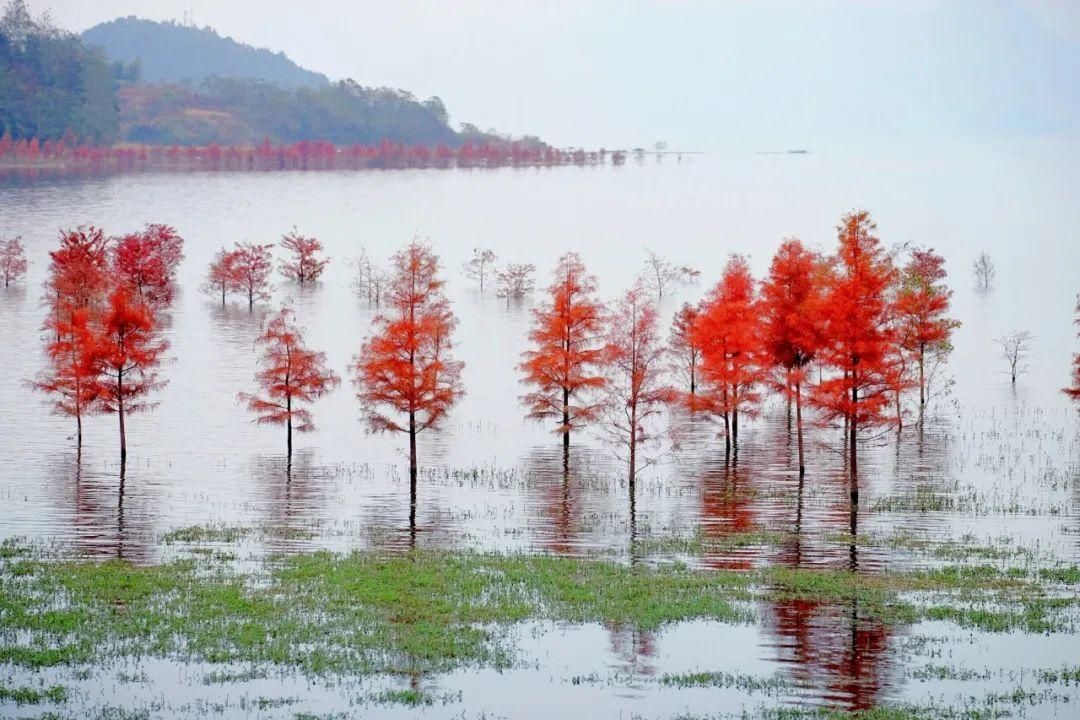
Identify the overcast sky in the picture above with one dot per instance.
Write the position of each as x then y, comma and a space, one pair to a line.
706, 74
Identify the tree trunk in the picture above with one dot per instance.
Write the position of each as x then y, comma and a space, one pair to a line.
798, 428
853, 427
922, 381
566, 417
412, 446
288, 425
123, 431
78, 429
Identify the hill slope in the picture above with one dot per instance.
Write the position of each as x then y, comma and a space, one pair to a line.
172, 53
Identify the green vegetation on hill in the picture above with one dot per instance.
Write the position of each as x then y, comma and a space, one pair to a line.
173, 53
50, 83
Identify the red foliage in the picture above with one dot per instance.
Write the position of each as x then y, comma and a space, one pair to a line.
291, 375
728, 334
219, 277
922, 303
146, 263
79, 271
685, 351
405, 375
129, 350
73, 374
634, 391
12, 260
249, 271
860, 332
791, 305
305, 266
567, 353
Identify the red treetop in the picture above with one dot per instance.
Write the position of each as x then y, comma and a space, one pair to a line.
634, 391
791, 300
79, 270
249, 271
727, 331
567, 351
12, 260
146, 263
858, 324
305, 265
129, 350
291, 374
405, 368
922, 302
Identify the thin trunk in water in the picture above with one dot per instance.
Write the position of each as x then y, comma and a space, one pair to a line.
798, 427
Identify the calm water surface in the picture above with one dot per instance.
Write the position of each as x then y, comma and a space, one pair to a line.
1000, 464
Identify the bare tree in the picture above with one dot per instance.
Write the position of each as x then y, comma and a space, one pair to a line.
661, 274
480, 266
515, 281
984, 271
1014, 350
370, 281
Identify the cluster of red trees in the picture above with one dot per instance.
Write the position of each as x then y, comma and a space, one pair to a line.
304, 155
106, 297
848, 334
246, 269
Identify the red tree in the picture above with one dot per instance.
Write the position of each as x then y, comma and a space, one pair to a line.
12, 260
305, 265
250, 270
1074, 391
220, 277
791, 304
129, 350
73, 374
146, 262
79, 273
567, 353
634, 391
859, 327
922, 303
405, 375
727, 332
684, 349
291, 375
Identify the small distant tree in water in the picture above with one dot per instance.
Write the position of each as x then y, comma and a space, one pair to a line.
1015, 347
72, 377
1074, 391
128, 349
291, 376
634, 391
481, 265
12, 260
792, 304
661, 274
515, 281
984, 272
405, 375
306, 264
250, 268
220, 277
564, 365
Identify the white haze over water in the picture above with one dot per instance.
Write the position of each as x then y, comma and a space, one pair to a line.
769, 74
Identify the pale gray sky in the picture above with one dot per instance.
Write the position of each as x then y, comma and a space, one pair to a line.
706, 74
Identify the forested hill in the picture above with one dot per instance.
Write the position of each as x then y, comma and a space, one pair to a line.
173, 53
54, 85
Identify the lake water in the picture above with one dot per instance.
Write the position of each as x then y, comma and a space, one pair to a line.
1000, 463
